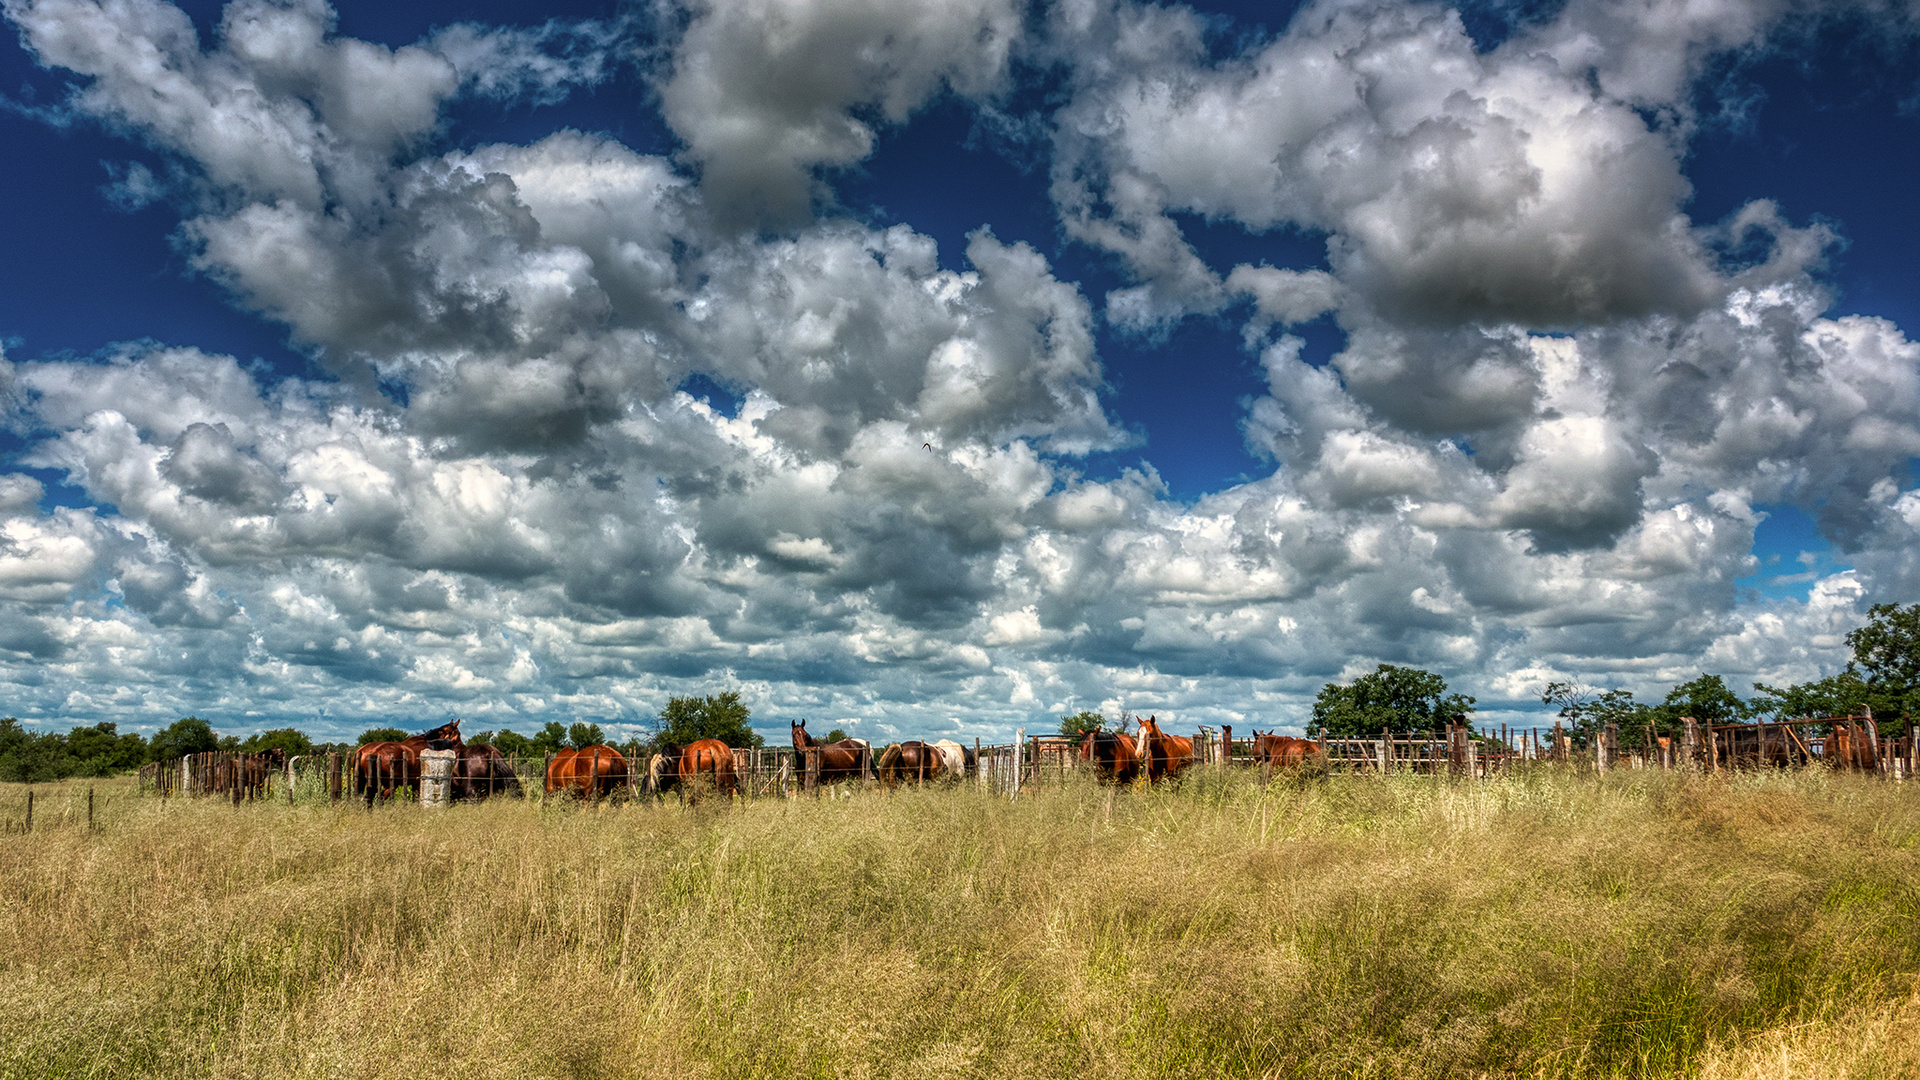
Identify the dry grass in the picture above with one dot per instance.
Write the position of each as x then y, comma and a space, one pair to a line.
1650, 925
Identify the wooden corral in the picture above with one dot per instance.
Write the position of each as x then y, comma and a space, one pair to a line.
1852, 744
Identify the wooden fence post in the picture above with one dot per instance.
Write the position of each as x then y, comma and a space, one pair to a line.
436, 778
1386, 751
1226, 746
1019, 744
29, 827
89, 807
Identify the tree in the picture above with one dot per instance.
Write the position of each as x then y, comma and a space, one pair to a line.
550, 738
1390, 698
510, 743
26, 757
581, 735
1082, 722
381, 734
1587, 712
1707, 700
718, 716
188, 735
289, 741
1836, 695
1886, 656
837, 735
101, 750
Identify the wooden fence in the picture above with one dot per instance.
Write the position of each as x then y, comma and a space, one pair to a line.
1852, 744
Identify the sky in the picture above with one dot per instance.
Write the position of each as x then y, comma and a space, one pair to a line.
938, 367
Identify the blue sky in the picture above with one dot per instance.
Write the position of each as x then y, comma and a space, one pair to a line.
919, 368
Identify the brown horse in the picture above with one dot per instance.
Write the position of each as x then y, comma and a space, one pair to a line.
480, 771
245, 776
1114, 757
704, 763
591, 773
845, 759
381, 768
916, 761
1847, 747
1164, 756
1285, 751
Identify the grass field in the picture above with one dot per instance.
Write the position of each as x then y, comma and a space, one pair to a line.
1648, 925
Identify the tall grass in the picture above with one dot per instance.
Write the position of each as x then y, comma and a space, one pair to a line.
1538, 925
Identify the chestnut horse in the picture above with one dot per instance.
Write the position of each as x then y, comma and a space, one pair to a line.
480, 771
708, 761
1114, 757
1164, 756
916, 761
594, 772
1284, 751
846, 759
381, 768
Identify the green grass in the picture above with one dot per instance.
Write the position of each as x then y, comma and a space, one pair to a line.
1540, 925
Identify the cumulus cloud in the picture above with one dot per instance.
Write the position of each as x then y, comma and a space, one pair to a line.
1540, 449
1453, 185
765, 92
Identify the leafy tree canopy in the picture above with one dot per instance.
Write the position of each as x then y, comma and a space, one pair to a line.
1706, 699
290, 741
1886, 656
717, 716
510, 743
1389, 698
550, 739
837, 735
1082, 722
1587, 712
581, 735
188, 735
381, 734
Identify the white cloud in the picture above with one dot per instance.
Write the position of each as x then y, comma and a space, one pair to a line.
1539, 451
767, 91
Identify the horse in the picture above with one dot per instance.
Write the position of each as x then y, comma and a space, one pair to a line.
1285, 751
1847, 747
845, 759
915, 760
663, 770
700, 760
953, 758
589, 773
1114, 757
381, 768
245, 776
1164, 756
480, 771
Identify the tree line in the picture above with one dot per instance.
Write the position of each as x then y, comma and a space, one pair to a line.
1883, 675
102, 750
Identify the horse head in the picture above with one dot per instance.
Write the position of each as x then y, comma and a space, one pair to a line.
448, 733
801, 740
1149, 731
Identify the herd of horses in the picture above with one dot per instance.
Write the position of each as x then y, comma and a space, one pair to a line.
706, 766
381, 769
1152, 755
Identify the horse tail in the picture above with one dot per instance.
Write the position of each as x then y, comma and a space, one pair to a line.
888, 764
